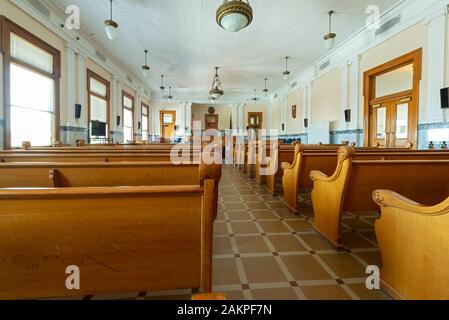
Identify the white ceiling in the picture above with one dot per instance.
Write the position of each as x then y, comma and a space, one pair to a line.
185, 43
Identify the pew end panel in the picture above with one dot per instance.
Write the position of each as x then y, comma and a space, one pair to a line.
414, 244
289, 181
328, 194
123, 239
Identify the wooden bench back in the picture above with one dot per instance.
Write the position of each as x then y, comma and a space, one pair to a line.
96, 174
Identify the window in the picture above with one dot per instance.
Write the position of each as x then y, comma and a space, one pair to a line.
145, 121
128, 117
98, 95
32, 93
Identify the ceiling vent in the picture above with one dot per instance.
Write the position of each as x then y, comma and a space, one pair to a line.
129, 79
276, 96
294, 84
100, 56
146, 92
388, 25
325, 65
36, 4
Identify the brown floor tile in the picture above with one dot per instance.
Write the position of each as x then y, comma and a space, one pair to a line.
300, 225
263, 214
305, 268
356, 224
224, 272
235, 295
251, 198
286, 243
274, 294
239, 215
263, 270
256, 205
369, 234
365, 294
316, 242
220, 228
344, 265
254, 244
331, 292
222, 246
235, 206
244, 227
276, 204
352, 240
371, 258
272, 226
231, 199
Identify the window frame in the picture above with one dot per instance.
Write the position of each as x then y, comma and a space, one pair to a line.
8, 27
145, 106
92, 75
131, 97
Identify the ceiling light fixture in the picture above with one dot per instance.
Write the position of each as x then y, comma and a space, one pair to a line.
169, 97
216, 91
234, 15
145, 68
330, 37
286, 73
162, 88
266, 89
255, 97
110, 25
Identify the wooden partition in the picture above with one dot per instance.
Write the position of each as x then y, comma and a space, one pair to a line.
122, 239
414, 245
350, 187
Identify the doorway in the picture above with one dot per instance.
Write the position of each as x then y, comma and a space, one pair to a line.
255, 120
167, 120
391, 93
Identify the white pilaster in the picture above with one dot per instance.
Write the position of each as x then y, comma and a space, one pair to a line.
81, 92
344, 95
188, 118
234, 115
431, 112
71, 74
356, 108
304, 109
116, 103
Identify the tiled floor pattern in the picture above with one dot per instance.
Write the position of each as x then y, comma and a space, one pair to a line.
263, 251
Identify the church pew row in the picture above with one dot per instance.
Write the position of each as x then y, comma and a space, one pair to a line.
414, 245
121, 239
296, 175
350, 186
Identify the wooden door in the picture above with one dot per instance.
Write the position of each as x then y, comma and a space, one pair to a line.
255, 120
391, 124
167, 120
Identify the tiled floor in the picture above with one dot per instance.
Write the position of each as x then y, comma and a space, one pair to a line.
263, 251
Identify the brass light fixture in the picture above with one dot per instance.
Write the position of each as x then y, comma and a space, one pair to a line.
146, 68
286, 73
266, 89
110, 25
162, 88
330, 37
216, 91
255, 99
234, 15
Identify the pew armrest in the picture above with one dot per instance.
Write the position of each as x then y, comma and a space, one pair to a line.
286, 165
387, 198
319, 176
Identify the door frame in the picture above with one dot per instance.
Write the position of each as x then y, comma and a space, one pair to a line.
369, 90
260, 114
161, 122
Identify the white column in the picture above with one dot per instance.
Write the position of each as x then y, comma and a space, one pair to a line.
80, 98
138, 114
234, 117
309, 102
71, 74
344, 95
241, 116
435, 69
284, 113
188, 118
304, 109
116, 103
270, 117
356, 108
182, 119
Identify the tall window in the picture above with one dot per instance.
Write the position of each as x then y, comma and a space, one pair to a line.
99, 96
31, 78
128, 117
145, 121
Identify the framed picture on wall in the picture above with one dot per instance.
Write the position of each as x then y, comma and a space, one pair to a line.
294, 112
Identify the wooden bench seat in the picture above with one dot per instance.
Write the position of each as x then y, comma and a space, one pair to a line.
122, 239
351, 185
414, 245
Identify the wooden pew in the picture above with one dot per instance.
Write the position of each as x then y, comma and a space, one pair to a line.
350, 187
122, 239
414, 245
296, 174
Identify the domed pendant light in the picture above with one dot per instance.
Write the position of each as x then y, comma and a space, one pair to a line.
329, 39
110, 25
169, 97
162, 88
146, 68
234, 15
216, 91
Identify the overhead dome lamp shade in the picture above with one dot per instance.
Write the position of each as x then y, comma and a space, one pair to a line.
111, 26
329, 39
146, 67
234, 15
217, 90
